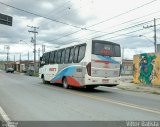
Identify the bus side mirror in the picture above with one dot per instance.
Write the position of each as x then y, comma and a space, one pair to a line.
42, 63
40, 58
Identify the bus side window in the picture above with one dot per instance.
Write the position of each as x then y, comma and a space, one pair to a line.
51, 57
42, 60
62, 57
67, 55
55, 57
46, 58
117, 51
71, 55
75, 59
59, 56
82, 51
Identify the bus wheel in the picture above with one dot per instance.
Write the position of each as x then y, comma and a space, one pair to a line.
44, 81
65, 83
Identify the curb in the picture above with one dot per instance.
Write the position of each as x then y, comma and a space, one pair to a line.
139, 88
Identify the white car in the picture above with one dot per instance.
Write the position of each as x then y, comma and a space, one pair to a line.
11, 70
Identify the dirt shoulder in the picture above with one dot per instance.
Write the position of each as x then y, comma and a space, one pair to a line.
126, 84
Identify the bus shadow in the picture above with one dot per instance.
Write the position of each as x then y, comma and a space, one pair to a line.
95, 90
84, 90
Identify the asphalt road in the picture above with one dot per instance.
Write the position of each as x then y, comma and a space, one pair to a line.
26, 98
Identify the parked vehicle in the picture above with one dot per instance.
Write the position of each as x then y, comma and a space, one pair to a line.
11, 70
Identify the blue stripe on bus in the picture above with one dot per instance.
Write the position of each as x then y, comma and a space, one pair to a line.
107, 58
66, 72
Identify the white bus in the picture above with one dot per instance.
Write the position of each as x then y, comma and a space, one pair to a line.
89, 64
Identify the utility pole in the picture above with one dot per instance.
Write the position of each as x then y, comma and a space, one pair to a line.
43, 49
28, 56
155, 36
34, 31
28, 61
20, 58
7, 48
39, 54
8, 53
14, 58
122, 53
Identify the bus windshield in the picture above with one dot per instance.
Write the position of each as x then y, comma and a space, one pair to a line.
106, 48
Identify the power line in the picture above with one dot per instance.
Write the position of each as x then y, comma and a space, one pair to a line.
110, 33
128, 33
71, 24
105, 28
122, 13
64, 36
77, 26
122, 29
135, 19
58, 12
116, 25
27, 44
54, 20
73, 40
115, 31
124, 34
99, 31
59, 7
34, 42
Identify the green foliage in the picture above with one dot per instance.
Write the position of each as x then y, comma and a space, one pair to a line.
35, 74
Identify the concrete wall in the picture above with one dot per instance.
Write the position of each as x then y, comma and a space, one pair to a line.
146, 69
2, 65
127, 67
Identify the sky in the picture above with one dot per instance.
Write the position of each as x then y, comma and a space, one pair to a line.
62, 22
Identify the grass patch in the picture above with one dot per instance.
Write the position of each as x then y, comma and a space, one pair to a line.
155, 92
138, 89
132, 81
36, 74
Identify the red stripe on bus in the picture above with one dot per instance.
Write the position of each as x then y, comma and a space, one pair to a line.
100, 61
58, 81
71, 81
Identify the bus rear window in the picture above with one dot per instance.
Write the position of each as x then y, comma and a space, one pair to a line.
106, 49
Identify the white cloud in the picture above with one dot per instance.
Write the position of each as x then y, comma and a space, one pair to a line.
81, 13
47, 5
130, 52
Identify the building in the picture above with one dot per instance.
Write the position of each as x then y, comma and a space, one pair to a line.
127, 67
22, 66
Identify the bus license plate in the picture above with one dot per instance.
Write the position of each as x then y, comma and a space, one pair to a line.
105, 80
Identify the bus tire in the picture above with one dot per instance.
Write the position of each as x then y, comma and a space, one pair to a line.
43, 80
65, 83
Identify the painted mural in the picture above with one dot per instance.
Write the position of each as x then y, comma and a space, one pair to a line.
146, 69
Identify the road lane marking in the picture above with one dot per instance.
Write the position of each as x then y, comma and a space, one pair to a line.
4, 115
113, 101
6, 118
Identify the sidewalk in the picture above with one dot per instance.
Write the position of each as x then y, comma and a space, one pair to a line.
126, 84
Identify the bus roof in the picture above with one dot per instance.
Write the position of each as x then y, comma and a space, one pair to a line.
78, 43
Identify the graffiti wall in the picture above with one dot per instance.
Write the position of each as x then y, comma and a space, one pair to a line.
146, 69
